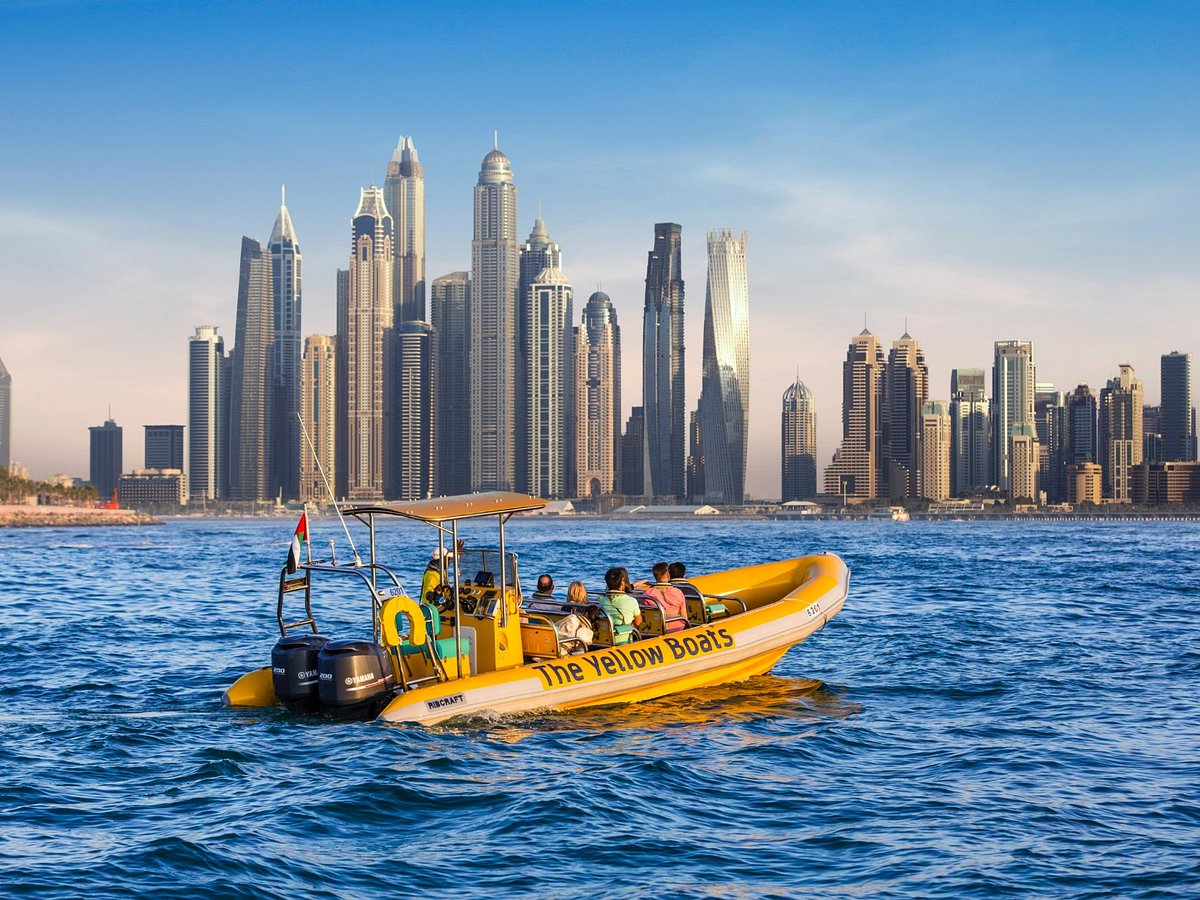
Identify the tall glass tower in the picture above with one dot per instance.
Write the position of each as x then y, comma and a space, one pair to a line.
662, 366
404, 194
1177, 417
905, 390
549, 405
206, 419
538, 254
1013, 385
970, 418
252, 389
855, 470
495, 259
286, 290
448, 311
798, 475
369, 318
725, 389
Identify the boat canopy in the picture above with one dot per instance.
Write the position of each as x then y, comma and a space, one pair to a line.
461, 506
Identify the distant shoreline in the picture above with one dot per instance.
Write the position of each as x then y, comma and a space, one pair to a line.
14, 516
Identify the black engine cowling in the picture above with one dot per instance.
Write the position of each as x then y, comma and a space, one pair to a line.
294, 671
356, 677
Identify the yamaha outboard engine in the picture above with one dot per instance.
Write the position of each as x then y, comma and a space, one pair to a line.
294, 671
356, 677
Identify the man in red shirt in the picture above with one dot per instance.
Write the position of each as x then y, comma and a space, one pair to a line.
669, 597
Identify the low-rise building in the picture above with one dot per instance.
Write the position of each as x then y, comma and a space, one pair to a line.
1084, 482
157, 489
1165, 482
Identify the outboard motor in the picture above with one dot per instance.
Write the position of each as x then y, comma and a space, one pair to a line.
356, 677
294, 671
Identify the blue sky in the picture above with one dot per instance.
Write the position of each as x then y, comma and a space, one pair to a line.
990, 171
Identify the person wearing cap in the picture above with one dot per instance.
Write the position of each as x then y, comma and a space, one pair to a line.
435, 573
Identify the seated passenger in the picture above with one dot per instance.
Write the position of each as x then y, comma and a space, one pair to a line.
678, 571
577, 593
620, 606
669, 597
545, 588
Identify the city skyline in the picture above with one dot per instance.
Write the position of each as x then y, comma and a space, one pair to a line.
953, 195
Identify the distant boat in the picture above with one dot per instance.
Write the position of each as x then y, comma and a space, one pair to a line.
890, 513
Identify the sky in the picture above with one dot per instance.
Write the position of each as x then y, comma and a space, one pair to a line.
981, 171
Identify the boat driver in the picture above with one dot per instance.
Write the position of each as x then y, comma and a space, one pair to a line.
434, 580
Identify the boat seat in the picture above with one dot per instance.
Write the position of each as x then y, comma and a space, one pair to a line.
433, 625
539, 638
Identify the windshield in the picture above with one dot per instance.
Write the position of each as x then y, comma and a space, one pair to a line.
483, 565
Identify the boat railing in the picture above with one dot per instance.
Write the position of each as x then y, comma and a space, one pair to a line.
368, 572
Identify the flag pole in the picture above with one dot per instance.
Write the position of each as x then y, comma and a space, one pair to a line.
332, 498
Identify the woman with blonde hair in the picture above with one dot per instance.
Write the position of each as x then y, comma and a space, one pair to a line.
577, 593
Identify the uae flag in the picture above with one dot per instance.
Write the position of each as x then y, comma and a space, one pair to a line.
301, 536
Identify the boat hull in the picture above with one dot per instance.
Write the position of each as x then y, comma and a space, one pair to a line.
811, 591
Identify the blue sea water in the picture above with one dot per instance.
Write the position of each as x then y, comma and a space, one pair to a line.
1000, 710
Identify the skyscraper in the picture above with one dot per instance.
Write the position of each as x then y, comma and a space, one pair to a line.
905, 390
369, 349
798, 476
855, 470
694, 471
725, 388
164, 447
546, 415
663, 380
415, 416
970, 446
451, 320
1176, 417
597, 371
207, 414
318, 412
1050, 418
5, 418
106, 457
341, 414
493, 333
404, 195
538, 254
1013, 379
251, 393
633, 454
1120, 432
935, 450
1082, 440
286, 282
1152, 451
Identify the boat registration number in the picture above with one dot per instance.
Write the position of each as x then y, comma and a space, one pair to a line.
814, 610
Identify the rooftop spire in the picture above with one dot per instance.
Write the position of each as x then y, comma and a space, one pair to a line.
496, 139
284, 231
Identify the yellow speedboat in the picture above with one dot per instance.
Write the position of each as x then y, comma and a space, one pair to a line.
489, 649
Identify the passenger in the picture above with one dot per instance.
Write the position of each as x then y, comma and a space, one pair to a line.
674, 604
545, 588
620, 606
678, 571
577, 593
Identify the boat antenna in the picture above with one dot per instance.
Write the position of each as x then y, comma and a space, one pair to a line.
332, 499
